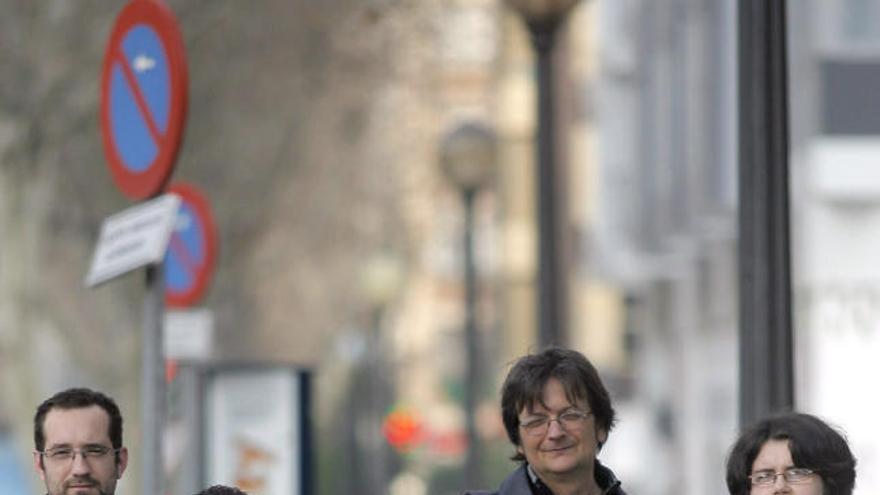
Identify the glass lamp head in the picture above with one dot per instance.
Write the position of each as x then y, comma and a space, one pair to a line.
542, 10
467, 155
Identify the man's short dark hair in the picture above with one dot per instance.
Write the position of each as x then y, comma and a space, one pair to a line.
221, 490
76, 398
812, 443
524, 386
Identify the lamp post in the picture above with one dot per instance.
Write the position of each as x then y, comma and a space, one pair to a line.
380, 284
766, 358
543, 18
467, 156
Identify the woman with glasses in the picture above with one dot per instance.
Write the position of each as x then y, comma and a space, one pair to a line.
791, 453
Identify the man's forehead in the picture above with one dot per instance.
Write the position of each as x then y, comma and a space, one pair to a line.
81, 425
555, 390
538, 406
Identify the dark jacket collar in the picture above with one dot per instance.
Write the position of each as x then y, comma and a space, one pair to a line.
521, 483
609, 483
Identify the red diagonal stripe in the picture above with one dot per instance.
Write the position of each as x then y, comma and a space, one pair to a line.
139, 97
179, 249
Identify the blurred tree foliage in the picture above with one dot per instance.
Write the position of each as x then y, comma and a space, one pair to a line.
306, 130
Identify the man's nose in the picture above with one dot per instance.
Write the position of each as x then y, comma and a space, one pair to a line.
555, 429
80, 465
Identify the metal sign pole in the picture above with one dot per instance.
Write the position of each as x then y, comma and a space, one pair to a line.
153, 384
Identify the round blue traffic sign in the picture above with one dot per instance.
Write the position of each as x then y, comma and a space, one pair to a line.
143, 97
189, 260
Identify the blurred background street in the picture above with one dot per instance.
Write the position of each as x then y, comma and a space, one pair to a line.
371, 166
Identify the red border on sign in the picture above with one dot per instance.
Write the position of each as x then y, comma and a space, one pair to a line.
191, 196
151, 181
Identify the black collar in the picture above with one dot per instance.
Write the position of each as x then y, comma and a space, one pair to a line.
604, 478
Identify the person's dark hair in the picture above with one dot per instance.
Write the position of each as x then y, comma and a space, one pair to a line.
812, 443
76, 398
221, 490
525, 382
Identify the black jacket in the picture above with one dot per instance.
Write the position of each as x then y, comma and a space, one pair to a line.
518, 483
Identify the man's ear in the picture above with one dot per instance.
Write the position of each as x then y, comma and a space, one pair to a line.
601, 437
38, 465
122, 463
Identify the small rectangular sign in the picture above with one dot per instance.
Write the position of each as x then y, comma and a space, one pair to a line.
189, 335
133, 238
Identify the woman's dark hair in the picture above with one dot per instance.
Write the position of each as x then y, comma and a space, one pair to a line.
812, 443
524, 387
221, 490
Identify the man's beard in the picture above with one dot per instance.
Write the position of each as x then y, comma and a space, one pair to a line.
94, 485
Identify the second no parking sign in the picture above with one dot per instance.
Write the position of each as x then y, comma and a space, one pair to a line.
189, 261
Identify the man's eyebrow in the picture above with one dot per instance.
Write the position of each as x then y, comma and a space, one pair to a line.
570, 407
58, 446
534, 410
68, 446
531, 414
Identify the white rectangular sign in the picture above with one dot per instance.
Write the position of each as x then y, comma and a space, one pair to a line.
189, 335
133, 238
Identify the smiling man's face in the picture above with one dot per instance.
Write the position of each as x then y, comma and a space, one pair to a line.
560, 453
79, 428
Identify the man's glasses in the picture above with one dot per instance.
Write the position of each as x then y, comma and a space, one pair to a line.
570, 420
62, 455
792, 475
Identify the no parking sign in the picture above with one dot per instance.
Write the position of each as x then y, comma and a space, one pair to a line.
143, 97
143, 111
192, 249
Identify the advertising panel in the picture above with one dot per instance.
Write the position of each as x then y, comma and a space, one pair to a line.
254, 438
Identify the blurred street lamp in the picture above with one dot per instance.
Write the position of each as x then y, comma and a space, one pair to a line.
467, 156
543, 11
543, 18
380, 282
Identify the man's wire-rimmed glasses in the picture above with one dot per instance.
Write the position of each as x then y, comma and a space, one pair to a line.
570, 420
63, 455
